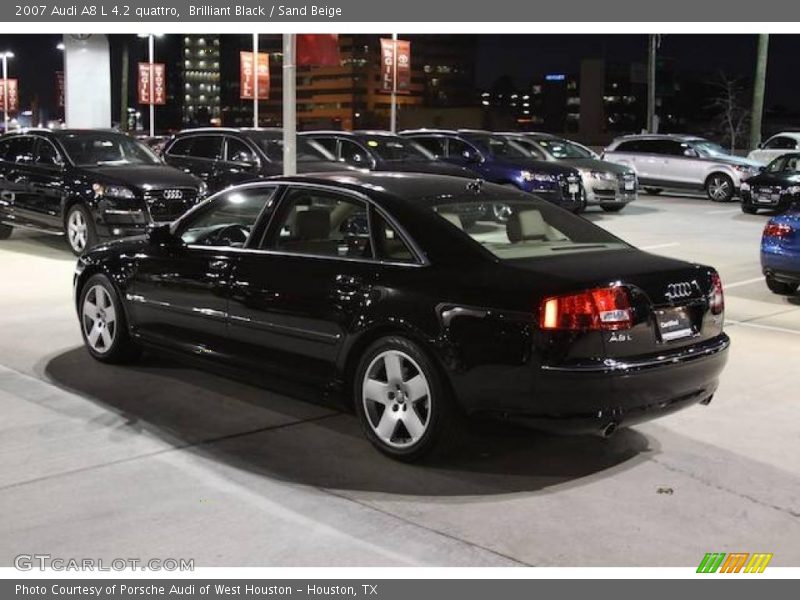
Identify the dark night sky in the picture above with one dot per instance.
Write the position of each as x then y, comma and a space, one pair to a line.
521, 56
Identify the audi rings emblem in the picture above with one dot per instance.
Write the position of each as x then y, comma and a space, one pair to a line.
173, 194
676, 291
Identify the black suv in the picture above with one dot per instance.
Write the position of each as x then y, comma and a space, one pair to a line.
90, 185
226, 157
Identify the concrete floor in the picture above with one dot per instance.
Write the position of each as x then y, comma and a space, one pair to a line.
166, 460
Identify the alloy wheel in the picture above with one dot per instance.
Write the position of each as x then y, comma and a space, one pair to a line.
719, 188
77, 231
99, 319
397, 399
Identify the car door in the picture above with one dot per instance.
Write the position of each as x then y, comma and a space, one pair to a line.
197, 154
46, 183
18, 168
179, 292
295, 298
681, 164
240, 163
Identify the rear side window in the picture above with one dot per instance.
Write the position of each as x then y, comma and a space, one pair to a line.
46, 154
434, 145
781, 143
629, 146
198, 146
328, 143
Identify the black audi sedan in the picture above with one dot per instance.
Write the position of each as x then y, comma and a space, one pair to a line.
88, 185
415, 322
776, 188
223, 157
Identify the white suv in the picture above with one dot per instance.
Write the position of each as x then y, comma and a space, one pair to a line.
682, 162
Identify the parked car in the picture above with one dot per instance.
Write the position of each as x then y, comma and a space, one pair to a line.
499, 160
780, 253
682, 162
88, 185
555, 322
608, 185
776, 188
223, 157
778, 144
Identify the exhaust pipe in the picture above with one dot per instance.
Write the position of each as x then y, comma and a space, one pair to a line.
608, 430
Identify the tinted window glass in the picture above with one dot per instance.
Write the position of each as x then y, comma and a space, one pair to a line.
434, 145
534, 228
46, 154
391, 149
20, 149
239, 152
198, 146
629, 146
531, 148
328, 143
781, 143
497, 146
226, 220
564, 149
4, 147
353, 154
323, 224
272, 145
460, 149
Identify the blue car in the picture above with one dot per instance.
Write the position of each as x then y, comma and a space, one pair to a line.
497, 159
780, 253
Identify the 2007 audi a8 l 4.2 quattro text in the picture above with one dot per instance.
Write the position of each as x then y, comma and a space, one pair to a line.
367, 286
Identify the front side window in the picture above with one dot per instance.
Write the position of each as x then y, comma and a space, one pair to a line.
534, 228
353, 154
96, 148
458, 149
320, 223
226, 220
710, 149
565, 149
239, 152
307, 150
47, 155
392, 149
781, 142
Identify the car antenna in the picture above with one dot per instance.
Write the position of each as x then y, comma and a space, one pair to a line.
475, 186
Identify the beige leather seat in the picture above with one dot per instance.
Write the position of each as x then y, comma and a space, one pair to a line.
310, 233
529, 225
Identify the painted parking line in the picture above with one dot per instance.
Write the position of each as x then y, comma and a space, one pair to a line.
759, 326
659, 246
727, 286
724, 212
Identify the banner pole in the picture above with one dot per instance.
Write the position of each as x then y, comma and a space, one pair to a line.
151, 52
393, 117
289, 105
255, 80
5, 93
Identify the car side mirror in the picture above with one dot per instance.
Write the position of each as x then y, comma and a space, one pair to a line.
760, 146
162, 236
471, 157
690, 152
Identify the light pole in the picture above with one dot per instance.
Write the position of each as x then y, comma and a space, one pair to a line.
255, 80
289, 104
151, 43
5, 56
393, 113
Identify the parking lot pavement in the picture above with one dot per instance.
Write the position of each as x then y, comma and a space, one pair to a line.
163, 459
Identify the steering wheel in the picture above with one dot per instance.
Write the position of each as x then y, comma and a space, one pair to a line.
232, 235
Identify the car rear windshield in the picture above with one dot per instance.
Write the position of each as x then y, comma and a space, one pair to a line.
398, 149
95, 148
518, 227
307, 150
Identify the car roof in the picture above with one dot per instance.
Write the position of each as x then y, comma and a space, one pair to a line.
791, 134
359, 133
679, 137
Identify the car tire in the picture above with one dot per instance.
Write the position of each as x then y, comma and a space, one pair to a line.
79, 229
719, 187
781, 288
5, 231
652, 191
403, 416
103, 324
749, 210
612, 209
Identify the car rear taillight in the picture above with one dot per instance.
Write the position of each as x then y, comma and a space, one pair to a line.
716, 299
602, 308
777, 230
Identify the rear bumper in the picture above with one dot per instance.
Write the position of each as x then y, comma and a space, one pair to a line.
589, 398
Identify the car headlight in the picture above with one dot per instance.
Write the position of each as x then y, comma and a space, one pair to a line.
202, 190
745, 187
793, 190
743, 169
112, 191
602, 175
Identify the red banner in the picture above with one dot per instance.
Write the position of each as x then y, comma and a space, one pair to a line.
13, 95
318, 50
60, 88
159, 84
401, 70
247, 76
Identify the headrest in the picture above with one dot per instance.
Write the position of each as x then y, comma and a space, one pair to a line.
312, 224
527, 225
453, 218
